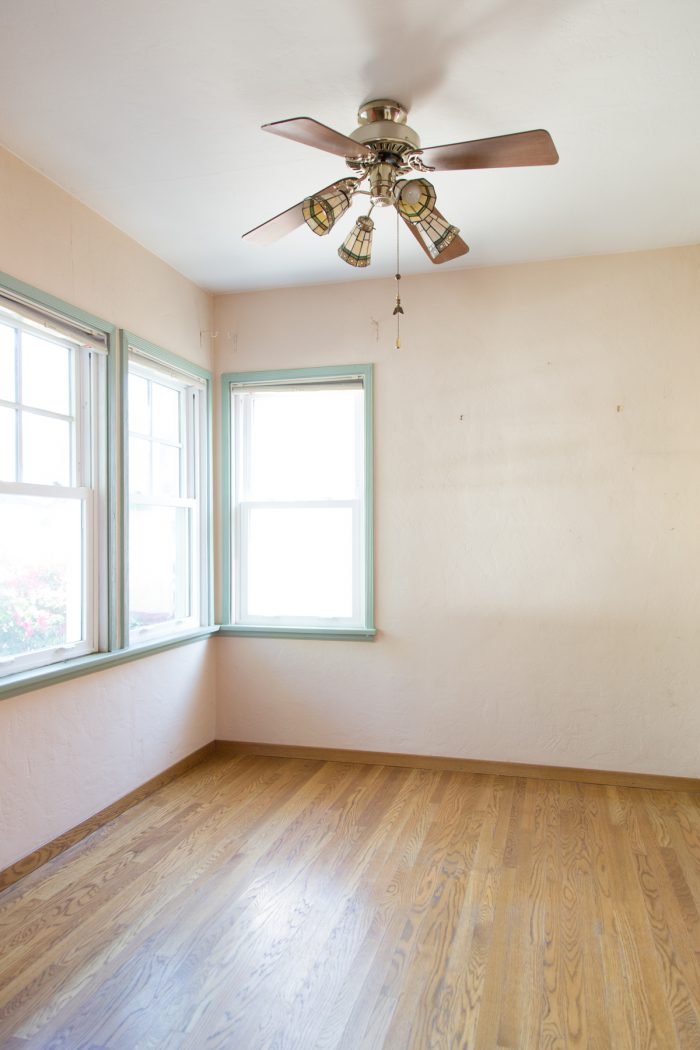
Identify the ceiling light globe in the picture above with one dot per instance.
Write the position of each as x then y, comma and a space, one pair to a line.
412, 192
415, 199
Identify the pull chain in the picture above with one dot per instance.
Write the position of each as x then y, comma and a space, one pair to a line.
398, 309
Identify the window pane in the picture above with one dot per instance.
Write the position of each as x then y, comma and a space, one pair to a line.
303, 445
41, 573
45, 374
8, 440
158, 565
139, 407
46, 450
167, 470
300, 562
166, 412
7, 363
139, 466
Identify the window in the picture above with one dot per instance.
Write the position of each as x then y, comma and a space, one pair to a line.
299, 538
168, 513
78, 544
53, 550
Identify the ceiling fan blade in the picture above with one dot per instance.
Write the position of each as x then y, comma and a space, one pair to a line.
503, 151
454, 249
311, 133
282, 224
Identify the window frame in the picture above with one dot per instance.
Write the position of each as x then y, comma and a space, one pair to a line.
111, 647
237, 380
142, 352
89, 484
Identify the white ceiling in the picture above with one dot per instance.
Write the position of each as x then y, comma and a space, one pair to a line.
149, 112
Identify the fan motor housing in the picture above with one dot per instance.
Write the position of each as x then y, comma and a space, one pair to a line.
384, 120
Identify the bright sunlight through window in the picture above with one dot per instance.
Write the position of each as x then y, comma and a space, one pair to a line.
165, 500
49, 494
299, 501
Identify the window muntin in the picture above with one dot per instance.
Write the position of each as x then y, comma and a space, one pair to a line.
167, 524
299, 502
51, 495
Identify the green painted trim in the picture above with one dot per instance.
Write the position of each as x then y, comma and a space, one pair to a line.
229, 379
59, 305
369, 495
44, 677
225, 502
114, 496
122, 442
165, 357
357, 634
209, 494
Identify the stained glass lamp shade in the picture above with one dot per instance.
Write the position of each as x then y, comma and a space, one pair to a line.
356, 249
323, 210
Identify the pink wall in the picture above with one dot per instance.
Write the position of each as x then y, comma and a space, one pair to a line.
537, 501
536, 522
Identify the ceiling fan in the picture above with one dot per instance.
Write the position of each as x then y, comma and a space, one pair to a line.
381, 151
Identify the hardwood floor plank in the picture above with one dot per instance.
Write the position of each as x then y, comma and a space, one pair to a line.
470, 954
195, 918
90, 947
313, 989
266, 903
408, 969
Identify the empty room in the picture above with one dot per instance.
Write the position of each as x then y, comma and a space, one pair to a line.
349, 500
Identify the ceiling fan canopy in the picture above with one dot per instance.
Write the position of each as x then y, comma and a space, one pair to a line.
380, 152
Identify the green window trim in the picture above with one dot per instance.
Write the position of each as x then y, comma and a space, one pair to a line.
228, 380
114, 404
356, 634
54, 674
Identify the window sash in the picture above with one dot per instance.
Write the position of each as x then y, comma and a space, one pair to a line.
20, 312
87, 643
83, 386
243, 513
86, 484
187, 581
191, 577
237, 421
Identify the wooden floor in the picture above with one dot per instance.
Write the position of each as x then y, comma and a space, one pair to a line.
277, 903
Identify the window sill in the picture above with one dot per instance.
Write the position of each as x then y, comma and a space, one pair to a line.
42, 677
342, 634
25, 681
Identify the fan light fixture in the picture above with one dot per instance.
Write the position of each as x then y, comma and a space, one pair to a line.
356, 249
322, 211
380, 152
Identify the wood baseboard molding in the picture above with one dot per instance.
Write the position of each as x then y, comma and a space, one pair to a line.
69, 838
610, 778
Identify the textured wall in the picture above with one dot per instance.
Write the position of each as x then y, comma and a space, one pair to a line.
52, 241
537, 500
69, 750
72, 749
